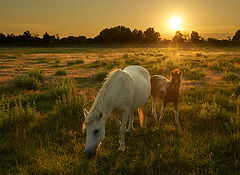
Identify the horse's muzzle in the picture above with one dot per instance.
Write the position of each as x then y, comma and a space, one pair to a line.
90, 153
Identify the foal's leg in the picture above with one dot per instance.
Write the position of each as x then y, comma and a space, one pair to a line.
176, 114
123, 131
144, 117
154, 102
162, 110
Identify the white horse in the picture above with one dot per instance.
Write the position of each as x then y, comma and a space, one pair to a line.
123, 92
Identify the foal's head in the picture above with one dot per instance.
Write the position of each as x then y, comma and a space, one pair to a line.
175, 78
94, 126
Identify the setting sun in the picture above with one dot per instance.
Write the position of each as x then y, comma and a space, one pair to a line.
175, 23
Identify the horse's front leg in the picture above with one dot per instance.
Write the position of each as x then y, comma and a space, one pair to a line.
123, 131
118, 122
176, 114
162, 110
154, 102
130, 127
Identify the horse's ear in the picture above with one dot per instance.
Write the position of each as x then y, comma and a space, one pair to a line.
85, 112
172, 73
181, 74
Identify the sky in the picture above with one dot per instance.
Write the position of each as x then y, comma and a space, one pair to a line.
89, 17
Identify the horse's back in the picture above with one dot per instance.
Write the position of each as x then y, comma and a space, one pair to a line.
159, 85
136, 71
141, 84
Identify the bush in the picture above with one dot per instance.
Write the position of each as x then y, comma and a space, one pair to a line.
25, 82
13, 118
31, 80
36, 74
100, 76
59, 87
60, 73
209, 111
216, 117
69, 110
231, 77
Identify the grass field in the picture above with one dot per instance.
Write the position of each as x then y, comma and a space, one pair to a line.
43, 92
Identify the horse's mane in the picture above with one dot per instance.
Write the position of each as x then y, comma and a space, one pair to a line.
99, 101
113, 75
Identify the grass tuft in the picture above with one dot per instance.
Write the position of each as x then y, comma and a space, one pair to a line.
61, 73
100, 76
32, 80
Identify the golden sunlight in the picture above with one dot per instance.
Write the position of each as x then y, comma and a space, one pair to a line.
175, 23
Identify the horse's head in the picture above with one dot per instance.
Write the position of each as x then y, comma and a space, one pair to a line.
94, 126
176, 76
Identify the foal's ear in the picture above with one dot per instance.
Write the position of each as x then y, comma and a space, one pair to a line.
85, 112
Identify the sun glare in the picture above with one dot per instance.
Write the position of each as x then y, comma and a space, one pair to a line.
175, 23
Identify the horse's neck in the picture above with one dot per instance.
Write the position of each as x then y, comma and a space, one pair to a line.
102, 104
173, 88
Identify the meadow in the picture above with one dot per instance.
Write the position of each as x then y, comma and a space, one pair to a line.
43, 92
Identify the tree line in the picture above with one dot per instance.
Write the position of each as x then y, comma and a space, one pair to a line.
116, 35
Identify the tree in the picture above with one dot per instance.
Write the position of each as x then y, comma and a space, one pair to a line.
119, 34
27, 34
236, 37
2, 38
178, 38
195, 38
137, 36
46, 39
150, 36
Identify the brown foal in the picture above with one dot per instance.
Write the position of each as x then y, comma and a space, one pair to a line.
168, 91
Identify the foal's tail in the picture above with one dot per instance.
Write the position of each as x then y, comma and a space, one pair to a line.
140, 115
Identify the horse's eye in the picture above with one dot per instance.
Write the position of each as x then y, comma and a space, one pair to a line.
95, 131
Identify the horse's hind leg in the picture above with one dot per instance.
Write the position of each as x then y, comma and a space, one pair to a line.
123, 131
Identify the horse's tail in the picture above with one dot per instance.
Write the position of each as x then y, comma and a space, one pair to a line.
140, 115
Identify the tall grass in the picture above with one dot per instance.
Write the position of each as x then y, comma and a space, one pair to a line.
40, 129
17, 117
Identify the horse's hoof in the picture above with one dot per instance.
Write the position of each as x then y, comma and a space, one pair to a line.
156, 118
178, 127
159, 119
121, 148
130, 129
